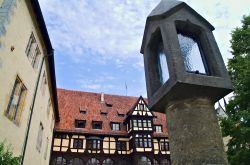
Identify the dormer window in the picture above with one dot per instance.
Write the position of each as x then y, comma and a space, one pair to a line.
115, 126
104, 113
158, 128
120, 114
96, 125
109, 105
80, 123
82, 112
141, 106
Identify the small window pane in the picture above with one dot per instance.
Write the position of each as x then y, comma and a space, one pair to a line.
108, 162
115, 126
191, 54
59, 161
162, 64
144, 161
93, 161
76, 161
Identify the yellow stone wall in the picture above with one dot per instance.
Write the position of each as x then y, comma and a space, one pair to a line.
12, 63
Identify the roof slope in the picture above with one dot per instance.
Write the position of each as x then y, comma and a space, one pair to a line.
50, 52
70, 102
164, 6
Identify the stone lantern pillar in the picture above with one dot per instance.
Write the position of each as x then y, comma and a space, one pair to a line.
185, 76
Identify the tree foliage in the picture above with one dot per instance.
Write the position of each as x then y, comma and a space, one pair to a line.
6, 156
237, 125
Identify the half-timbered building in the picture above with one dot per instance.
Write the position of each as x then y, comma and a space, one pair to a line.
107, 129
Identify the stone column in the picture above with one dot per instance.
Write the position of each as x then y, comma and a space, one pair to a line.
194, 133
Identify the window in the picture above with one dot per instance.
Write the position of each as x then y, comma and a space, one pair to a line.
59, 161
120, 114
94, 144
31, 46
164, 145
36, 59
96, 125
93, 161
43, 83
139, 123
104, 113
115, 126
109, 105
16, 101
158, 128
80, 123
144, 161
141, 106
39, 138
82, 112
108, 161
143, 141
121, 146
144, 124
46, 149
162, 63
135, 123
76, 161
191, 53
33, 52
109, 145
77, 143
48, 106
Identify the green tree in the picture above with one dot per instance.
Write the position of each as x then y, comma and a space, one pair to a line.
237, 125
6, 156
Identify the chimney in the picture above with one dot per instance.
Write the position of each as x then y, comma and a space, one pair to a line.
102, 98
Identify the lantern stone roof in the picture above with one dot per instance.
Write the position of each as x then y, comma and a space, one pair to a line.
167, 8
164, 6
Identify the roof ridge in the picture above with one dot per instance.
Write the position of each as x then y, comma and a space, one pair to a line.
78, 91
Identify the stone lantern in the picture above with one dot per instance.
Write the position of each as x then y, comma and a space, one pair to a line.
185, 76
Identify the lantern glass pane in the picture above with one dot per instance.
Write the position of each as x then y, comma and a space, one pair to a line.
162, 64
191, 54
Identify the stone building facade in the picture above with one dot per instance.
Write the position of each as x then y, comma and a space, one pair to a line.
28, 101
107, 129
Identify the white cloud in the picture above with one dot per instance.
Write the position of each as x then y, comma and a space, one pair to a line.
109, 28
98, 32
115, 28
97, 85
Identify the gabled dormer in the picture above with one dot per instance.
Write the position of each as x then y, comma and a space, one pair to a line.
140, 108
139, 118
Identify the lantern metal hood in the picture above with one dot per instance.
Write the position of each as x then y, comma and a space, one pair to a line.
181, 57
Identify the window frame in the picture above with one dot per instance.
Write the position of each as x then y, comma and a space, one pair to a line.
157, 126
94, 123
77, 143
77, 122
14, 113
121, 145
40, 137
94, 145
113, 124
143, 141
164, 145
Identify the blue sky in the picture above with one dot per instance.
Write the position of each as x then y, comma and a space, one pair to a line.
97, 43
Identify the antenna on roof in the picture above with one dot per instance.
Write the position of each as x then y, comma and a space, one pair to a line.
126, 88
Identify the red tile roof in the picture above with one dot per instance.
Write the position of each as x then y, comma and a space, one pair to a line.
70, 102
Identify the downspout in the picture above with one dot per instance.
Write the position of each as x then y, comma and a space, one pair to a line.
32, 109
